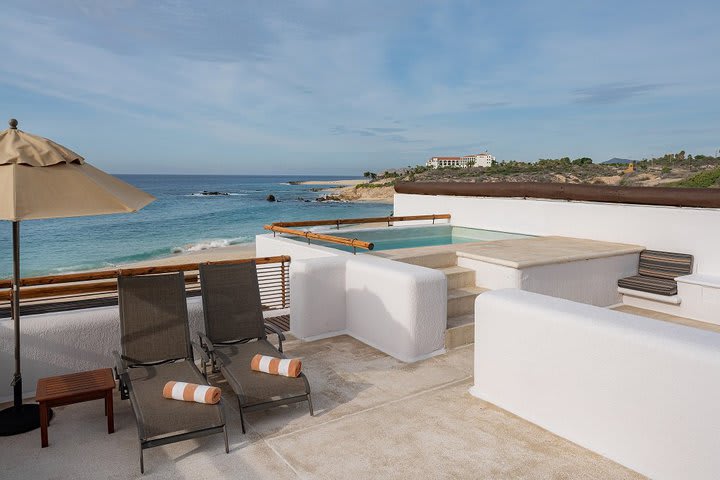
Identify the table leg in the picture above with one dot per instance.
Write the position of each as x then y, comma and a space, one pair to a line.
109, 411
43, 424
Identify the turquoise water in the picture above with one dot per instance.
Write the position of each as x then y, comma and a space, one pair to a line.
409, 237
179, 220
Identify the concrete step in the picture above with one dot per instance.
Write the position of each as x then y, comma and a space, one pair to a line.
461, 333
461, 301
435, 260
461, 320
458, 277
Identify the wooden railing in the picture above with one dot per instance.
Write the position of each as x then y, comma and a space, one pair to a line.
88, 289
283, 227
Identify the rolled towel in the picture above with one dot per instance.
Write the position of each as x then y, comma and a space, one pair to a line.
288, 367
192, 392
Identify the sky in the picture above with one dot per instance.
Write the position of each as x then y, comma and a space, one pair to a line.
341, 87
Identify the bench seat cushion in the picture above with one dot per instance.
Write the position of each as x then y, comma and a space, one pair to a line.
658, 286
667, 265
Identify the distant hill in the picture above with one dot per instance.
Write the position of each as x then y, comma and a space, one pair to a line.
617, 160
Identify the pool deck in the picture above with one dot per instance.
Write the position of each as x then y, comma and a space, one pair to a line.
522, 252
376, 417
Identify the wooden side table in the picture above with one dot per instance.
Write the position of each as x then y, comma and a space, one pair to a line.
75, 388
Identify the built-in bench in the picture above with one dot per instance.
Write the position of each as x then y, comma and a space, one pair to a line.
656, 278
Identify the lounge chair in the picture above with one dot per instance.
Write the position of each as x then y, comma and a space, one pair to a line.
235, 331
156, 348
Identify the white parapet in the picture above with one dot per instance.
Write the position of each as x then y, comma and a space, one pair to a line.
642, 392
398, 308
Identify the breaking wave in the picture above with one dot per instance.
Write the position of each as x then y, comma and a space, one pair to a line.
209, 244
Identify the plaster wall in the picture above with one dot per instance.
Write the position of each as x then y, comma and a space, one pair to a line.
591, 281
398, 308
639, 391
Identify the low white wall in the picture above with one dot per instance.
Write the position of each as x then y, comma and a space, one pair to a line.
642, 392
398, 308
66, 342
591, 281
270, 246
686, 230
317, 297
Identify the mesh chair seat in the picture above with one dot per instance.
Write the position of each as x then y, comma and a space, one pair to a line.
159, 416
256, 387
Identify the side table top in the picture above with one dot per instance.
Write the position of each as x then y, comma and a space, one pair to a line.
51, 388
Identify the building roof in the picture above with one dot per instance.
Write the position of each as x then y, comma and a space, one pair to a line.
447, 158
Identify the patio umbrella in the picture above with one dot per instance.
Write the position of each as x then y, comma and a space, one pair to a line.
40, 179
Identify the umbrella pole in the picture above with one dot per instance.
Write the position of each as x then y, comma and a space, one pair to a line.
19, 418
17, 377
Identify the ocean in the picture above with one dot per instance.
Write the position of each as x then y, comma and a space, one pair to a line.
180, 220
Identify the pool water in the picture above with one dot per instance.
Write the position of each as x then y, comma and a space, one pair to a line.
391, 238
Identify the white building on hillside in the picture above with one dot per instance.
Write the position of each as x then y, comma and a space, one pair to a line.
476, 160
479, 159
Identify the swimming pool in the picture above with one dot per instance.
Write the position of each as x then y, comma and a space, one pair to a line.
390, 238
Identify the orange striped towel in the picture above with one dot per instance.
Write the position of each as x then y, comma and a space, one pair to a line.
192, 392
288, 367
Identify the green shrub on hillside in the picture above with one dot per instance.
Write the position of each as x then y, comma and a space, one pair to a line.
374, 185
701, 180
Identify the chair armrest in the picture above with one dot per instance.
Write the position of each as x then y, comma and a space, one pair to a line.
122, 375
270, 328
203, 351
205, 342
207, 351
120, 367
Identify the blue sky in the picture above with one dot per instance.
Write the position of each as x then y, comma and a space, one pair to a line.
339, 87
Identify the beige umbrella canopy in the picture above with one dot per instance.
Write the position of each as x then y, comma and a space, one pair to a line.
41, 179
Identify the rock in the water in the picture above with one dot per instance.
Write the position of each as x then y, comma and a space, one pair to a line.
206, 193
271, 198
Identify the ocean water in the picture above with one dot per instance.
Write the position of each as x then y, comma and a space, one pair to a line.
179, 220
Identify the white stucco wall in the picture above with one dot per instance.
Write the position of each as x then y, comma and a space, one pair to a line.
269, 246
686, 230
317, 297
591, 281
639, 391
398, 308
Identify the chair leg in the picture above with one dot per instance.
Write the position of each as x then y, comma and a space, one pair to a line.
242, 418
142, 463
312, 414
227, 448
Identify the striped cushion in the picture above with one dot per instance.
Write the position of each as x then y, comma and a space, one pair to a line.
664, 264
659, 286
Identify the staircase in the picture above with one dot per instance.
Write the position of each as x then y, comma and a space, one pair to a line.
461, 296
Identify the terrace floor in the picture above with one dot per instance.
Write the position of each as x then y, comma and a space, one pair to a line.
376, 417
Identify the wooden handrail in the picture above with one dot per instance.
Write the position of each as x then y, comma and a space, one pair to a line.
350, 242
355, 221
69, 284
109, 274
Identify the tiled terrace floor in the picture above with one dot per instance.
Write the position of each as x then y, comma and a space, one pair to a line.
375, 418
